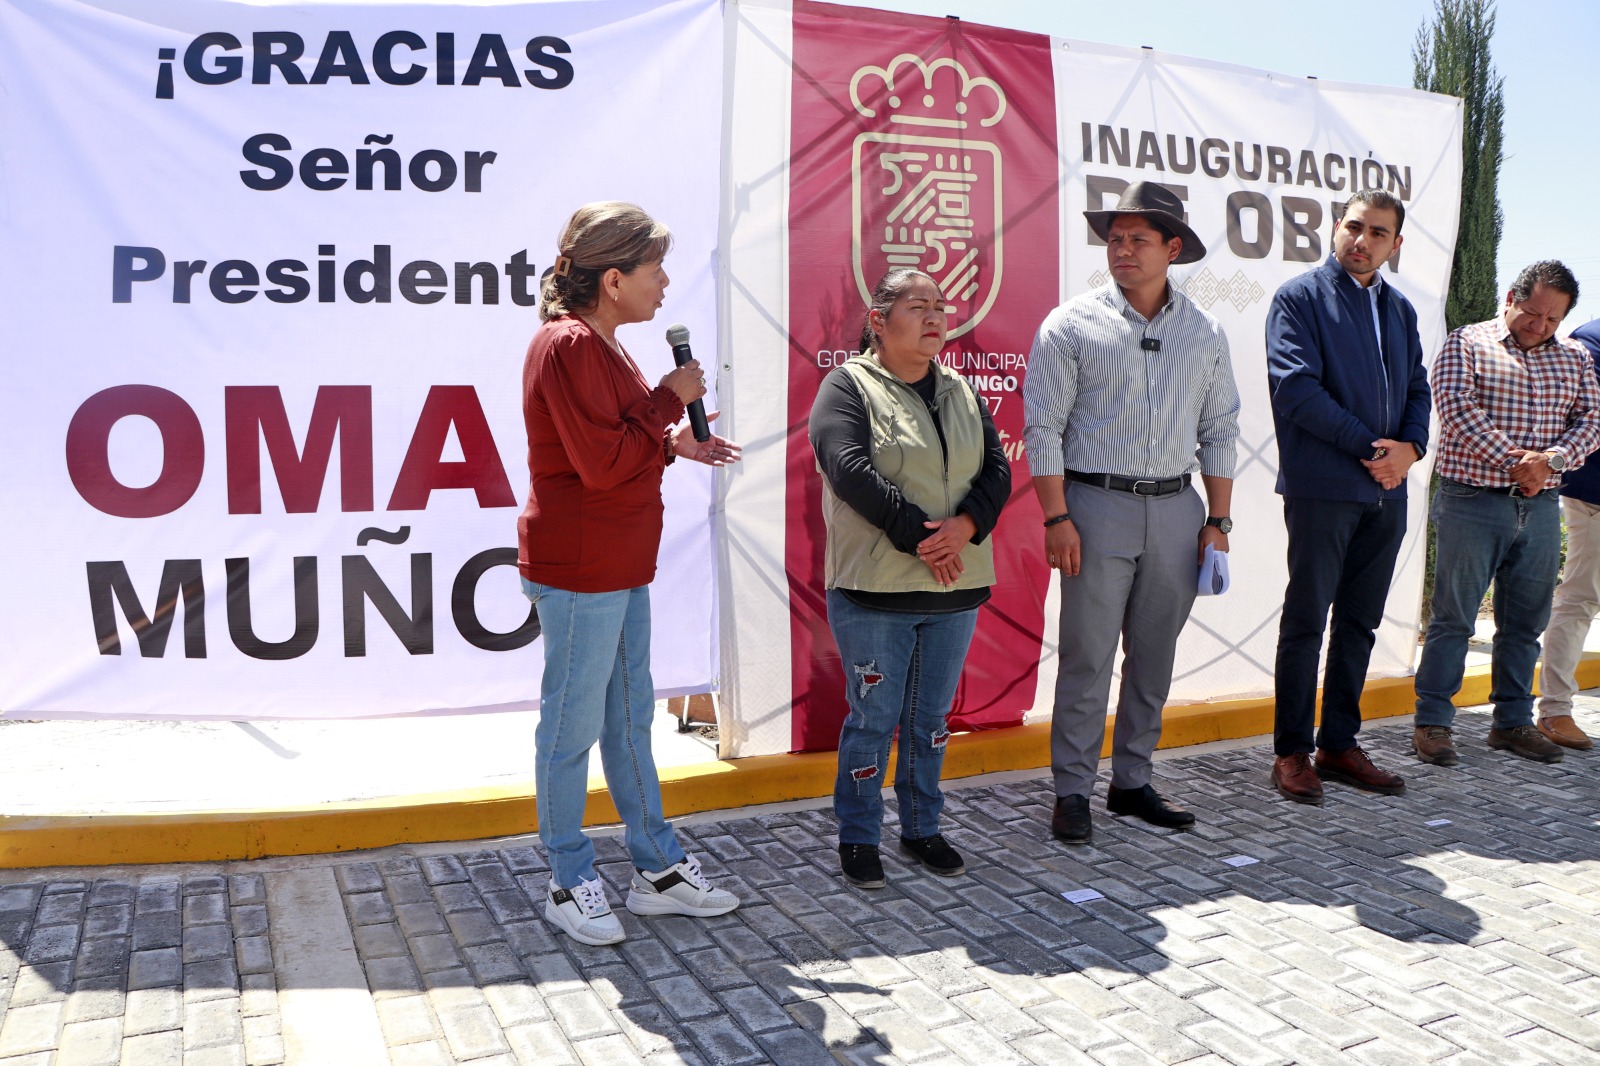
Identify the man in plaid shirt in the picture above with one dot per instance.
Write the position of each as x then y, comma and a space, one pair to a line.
1516, 408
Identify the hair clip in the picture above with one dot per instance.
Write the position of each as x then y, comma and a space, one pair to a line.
563, 266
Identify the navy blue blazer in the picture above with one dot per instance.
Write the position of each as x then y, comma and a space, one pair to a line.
1584, 482
1333, 391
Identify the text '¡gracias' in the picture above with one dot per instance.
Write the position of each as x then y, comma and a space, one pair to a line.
398, 57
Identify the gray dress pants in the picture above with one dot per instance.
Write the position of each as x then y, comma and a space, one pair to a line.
1137, 581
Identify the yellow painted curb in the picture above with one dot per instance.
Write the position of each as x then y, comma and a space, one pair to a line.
508, 810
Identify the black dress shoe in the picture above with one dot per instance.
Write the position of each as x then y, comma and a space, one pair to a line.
1147, 804
1070, 824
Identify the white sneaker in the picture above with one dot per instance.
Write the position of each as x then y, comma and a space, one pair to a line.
582, 913
680, 889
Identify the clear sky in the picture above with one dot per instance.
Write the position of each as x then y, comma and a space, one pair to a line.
1545, 49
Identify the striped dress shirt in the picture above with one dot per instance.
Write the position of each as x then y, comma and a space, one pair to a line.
1492, 397
1097, 402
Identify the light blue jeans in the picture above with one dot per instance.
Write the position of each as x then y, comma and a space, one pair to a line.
900, 672
597, 687
1513, 541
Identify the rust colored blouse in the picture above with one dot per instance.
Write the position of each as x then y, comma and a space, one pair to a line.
597, 445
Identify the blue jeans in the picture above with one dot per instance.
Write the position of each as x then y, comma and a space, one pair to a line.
597, 687
900, 671
1488, 536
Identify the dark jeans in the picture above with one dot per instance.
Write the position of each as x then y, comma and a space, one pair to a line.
901, 673
1341, 555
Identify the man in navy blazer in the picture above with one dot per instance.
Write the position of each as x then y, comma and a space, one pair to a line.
1350, 401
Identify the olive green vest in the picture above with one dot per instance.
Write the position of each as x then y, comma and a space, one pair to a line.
905, 451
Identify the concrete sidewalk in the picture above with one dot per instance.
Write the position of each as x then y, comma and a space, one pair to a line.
120, 766
1454, 924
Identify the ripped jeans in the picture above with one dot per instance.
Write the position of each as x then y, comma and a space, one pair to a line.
900, 672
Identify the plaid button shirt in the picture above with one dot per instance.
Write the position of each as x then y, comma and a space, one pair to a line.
1493, 397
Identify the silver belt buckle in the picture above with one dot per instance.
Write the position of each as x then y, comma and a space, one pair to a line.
1155, 486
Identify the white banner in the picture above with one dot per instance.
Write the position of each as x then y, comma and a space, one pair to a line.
269, 277
1264, 163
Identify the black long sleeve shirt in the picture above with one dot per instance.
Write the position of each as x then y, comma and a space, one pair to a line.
841, 438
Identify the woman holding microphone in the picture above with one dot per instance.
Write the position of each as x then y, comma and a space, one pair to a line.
914, 478
599, 439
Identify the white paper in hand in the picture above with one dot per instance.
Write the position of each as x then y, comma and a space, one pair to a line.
1214, 573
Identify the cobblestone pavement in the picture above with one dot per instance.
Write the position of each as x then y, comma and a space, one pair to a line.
1454, 924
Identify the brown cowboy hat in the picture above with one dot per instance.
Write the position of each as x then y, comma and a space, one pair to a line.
1149, 200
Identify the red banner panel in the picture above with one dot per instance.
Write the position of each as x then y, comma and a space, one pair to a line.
924, 142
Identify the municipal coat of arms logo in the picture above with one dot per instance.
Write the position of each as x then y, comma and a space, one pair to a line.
925, 185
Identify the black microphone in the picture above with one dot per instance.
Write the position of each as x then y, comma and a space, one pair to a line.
678, 337
1150, 344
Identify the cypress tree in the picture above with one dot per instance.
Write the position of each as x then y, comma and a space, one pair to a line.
1451, 55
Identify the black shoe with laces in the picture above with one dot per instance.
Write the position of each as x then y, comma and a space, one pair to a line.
860, 865
934, 853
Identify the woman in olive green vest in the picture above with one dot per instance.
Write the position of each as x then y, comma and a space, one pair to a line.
914, 477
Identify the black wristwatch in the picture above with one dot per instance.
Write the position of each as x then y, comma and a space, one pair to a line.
1224, 524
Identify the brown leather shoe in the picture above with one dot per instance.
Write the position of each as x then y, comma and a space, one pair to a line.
1525, 741
1564, 731
1294, 779
1354, 768
1433, 743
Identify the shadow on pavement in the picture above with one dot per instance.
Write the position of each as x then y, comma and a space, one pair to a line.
808, 964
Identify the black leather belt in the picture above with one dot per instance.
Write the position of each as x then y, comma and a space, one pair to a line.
1153, 487
1497, 490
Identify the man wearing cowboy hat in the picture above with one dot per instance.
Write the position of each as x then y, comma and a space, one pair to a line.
1129, 392
1516, 408
1350, 403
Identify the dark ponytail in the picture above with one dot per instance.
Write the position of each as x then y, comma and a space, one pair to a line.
890, 288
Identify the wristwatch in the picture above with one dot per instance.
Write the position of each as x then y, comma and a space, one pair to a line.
1557, 461
1224, 524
